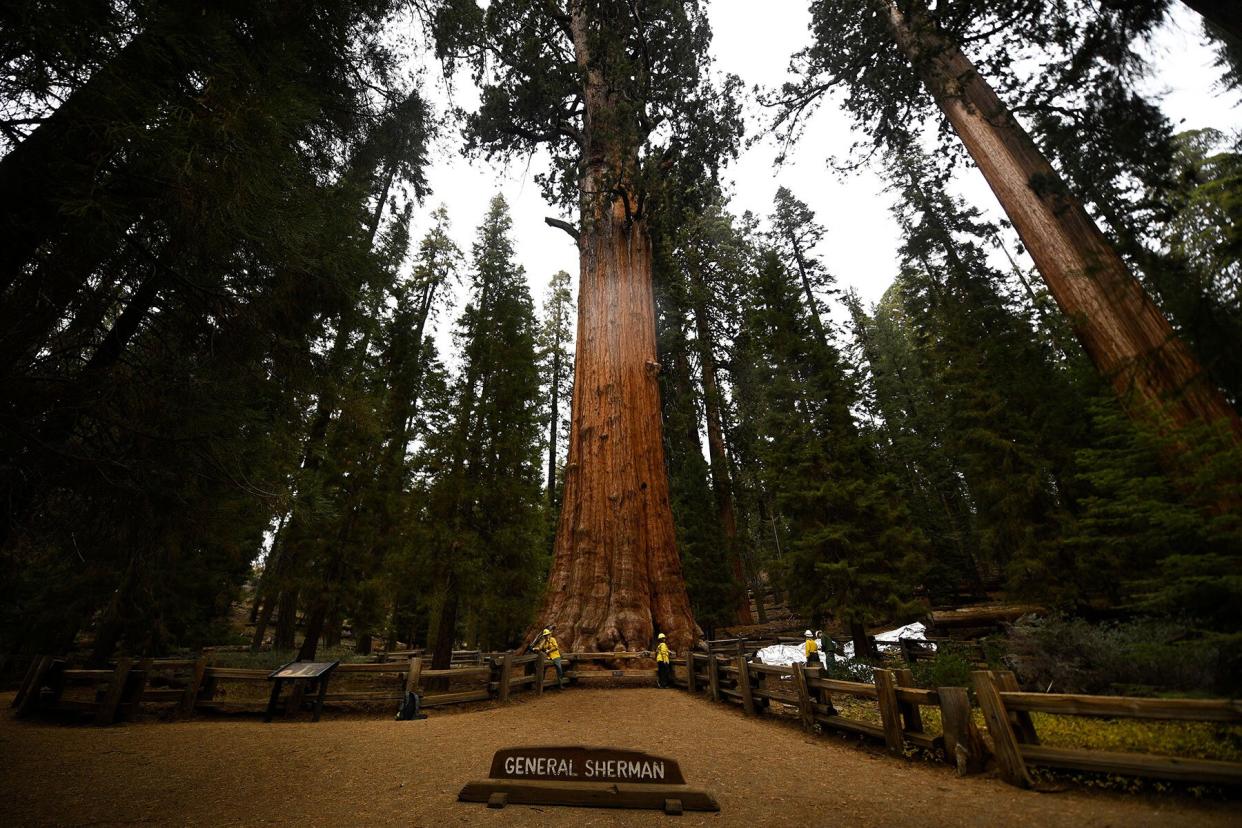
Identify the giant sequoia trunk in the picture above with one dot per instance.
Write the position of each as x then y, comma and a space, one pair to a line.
616, 579
1120, 327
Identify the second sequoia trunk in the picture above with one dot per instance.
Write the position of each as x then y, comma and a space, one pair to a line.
1120, 327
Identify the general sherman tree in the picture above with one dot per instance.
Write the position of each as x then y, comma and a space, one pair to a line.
885, 51
613, 89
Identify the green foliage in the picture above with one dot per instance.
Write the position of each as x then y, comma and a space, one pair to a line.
556, 365
161, 350
701, 541
486, 506
1202, 740
852, 551
1073, 655
528, 57
949, 668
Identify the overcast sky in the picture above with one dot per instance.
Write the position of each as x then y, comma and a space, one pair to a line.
860, 246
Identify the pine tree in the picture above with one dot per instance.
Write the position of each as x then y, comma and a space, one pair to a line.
486, 504
852, 551
556, 339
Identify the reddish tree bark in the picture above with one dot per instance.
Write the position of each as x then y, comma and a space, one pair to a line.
616, 578
1122, 330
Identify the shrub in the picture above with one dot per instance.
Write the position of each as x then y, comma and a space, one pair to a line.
1076, 656
849, 670
950, 668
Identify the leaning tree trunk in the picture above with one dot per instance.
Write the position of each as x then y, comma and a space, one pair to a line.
616, 579
1120, 327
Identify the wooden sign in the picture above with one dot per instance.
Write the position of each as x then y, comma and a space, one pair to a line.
584, 776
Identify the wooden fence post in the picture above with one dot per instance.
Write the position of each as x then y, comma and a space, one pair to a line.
910, 715
713, 676
805, 711
1024, 728
1004, 742
541, 667
30, 694
743, 685
890, 713
138, 685
414, 674
506, 673
31, 670
963, 746
186, 707
106, 714
692, 683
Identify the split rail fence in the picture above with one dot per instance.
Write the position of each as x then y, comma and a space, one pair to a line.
1006, 713
181, 687
899, 702
1016, 744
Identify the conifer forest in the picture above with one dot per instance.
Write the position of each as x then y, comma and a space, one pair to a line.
260, 386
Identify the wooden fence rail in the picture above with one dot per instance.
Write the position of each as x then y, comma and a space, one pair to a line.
184, 686
1016, 743
756, 686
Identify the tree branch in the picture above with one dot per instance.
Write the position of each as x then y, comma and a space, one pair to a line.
563, 225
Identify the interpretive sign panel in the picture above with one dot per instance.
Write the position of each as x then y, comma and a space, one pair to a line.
302, 669
587, 777
304, 675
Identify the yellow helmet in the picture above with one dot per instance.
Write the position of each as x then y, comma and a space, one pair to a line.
547, 632
661, 635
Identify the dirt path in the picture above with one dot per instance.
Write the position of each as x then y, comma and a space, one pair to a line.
355, 771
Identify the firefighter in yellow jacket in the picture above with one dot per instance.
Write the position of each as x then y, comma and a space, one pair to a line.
552, 650
810, 650
664, 666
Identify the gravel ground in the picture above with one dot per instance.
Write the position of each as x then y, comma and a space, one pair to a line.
350, 770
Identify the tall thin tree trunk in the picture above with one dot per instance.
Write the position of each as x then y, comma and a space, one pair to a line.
722, 484
286, 620
554, 422
446, 631
314, 629
812, 306
1120, 327
262, 621
616, 578
863, 648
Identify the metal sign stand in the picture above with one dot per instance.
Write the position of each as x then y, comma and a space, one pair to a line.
314, 677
